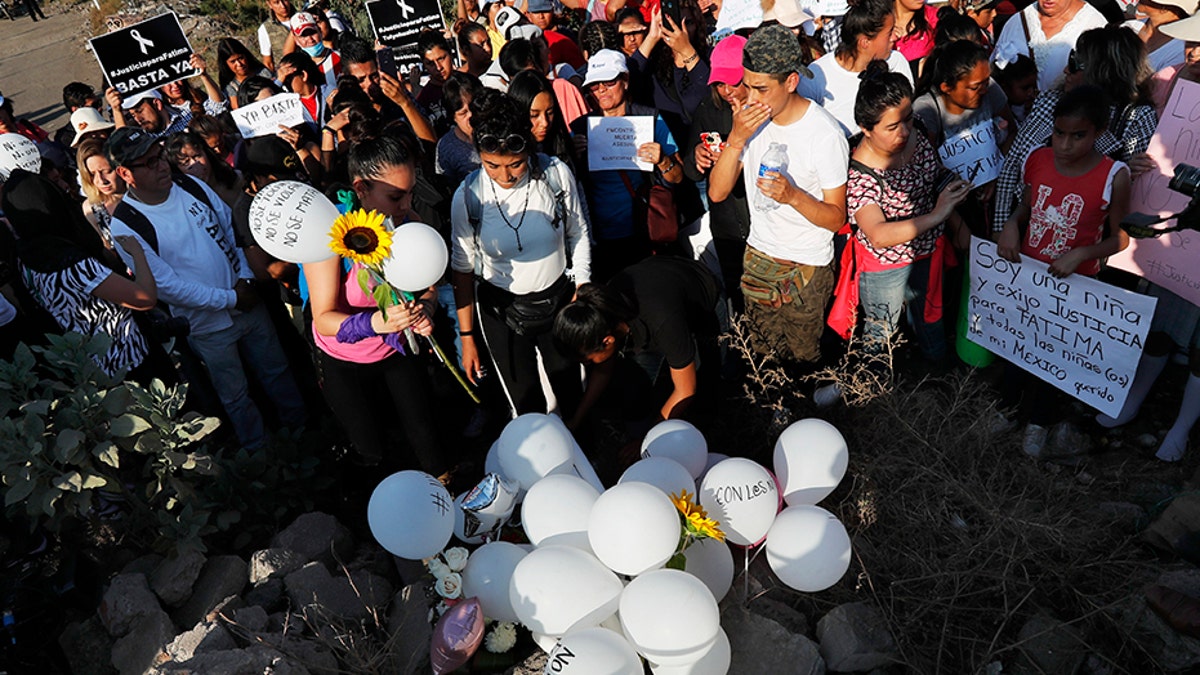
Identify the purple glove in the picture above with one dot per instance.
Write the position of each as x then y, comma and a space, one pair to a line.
396, 341
356, 328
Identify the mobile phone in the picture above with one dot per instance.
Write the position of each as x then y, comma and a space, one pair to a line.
711, 140
672, 9
387, 61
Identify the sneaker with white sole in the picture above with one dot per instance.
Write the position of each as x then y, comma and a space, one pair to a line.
1035, 440
827, 395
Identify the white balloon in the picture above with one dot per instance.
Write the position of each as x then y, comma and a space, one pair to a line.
810, 460
418, 257
487, 576
713, 459
593, 651
711, 561
670, 617
491, 463
291, 221
532, 447
546, 643
582, 466
663, 473
18, 152
633, 528
742, 497
557, 588
714, 662
678, 440
808, 548
411, 515
556, 511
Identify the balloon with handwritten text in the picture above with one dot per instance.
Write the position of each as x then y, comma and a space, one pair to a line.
410, 514
741, 495
291, 221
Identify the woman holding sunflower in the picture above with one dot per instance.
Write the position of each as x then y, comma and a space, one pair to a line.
374, 379
518, 225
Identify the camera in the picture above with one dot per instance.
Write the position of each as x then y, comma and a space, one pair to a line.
1186, 180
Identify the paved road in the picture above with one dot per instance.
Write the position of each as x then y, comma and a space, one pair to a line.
37, 59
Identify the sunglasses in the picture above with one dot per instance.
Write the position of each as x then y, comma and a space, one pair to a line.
1074, 65
634, 33
513, 144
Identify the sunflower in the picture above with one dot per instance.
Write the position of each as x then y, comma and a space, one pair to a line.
360, 236
696, 522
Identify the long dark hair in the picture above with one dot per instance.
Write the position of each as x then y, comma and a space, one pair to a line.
52, 232
222, 172
918, 25
1114, 59
496, 114
950, 63
865, 19
880, 89
523, 89
228, 47
596, 313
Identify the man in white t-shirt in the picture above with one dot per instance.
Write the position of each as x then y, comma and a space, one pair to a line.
796, 209
1046, 31
187, 233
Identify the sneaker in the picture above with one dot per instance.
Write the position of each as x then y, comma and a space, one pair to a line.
1001, 424
1035, 440
474, 428
827, 395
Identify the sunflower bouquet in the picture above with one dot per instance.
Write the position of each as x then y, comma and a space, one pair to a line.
364, 237
694, 526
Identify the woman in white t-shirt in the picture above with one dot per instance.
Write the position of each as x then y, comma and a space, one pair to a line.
1046, 31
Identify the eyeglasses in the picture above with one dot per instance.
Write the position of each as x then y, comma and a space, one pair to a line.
513, 144
1074, 65
604, 85
159, 158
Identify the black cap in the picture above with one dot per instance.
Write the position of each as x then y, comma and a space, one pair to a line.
128, 144
270, 156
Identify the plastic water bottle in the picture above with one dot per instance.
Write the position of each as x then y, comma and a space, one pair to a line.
775, 160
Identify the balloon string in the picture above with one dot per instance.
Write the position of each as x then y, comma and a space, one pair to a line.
441, 355
746, 577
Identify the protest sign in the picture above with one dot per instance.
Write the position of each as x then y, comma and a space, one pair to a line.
265, 117
613, 142
1172, 260
144, 56
973, 153
1079, 334
397, 23
737, 14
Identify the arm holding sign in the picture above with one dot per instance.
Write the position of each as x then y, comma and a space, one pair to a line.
882, 234
394, 90
210, 87
1008, 239
113, 98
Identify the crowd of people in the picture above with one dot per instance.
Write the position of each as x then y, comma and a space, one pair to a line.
822, 150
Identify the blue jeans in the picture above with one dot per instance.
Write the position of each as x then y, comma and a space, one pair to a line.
883, 295
253, 337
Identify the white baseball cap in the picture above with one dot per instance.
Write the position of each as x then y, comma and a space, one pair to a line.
605, 65
130, 102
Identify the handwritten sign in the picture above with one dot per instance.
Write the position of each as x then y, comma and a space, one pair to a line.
1173, 260
398, 23
145, 55
737, 14
613, 142
973, 153
265, 117
1079, 334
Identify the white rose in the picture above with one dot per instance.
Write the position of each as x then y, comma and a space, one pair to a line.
502, 638
449, 586
437, 568
456, 558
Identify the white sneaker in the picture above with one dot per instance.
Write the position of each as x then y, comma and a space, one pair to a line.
1035, 440
1001, 424
827, 395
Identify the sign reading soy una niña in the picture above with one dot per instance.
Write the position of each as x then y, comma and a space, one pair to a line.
1172, 260
264, 118
144, 56
613, 142
397, 23
973, 153
1079, 334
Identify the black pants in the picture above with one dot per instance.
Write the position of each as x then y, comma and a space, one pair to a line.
515, 356
34, 11
730, 253
387, 411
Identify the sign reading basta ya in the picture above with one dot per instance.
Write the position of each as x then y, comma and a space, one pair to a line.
144, 56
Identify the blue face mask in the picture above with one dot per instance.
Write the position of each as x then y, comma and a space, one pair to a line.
315, 50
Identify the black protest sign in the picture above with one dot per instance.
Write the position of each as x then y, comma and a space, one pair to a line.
398, 23
144, 56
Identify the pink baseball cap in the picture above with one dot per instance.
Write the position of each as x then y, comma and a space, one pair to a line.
725, 62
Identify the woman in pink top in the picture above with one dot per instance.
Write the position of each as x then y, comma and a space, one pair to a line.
377, 387
915, 23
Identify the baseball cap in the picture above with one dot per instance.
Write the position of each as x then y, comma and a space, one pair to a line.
726, 61
86, 120
270, 156
136, 99
302, 21
540, 6
605, 65
1187, 29
127, 144
773, 50
788, 13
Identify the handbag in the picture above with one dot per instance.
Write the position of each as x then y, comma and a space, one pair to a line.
661, 216
527, 314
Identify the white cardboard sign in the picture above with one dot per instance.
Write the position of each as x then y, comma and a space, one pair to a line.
973, 153
613, 142
264, 118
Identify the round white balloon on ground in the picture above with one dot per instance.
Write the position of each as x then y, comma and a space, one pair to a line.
810, 460
711, 561
633, 527
557, 588
678, 440
742, 497
670, 617
291, 221
714, 662
808, 548
532, 447
663, 473
487, 576
546, 643
557, 509
18, 152
593, 651
411, 515
713, 459
418, 258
